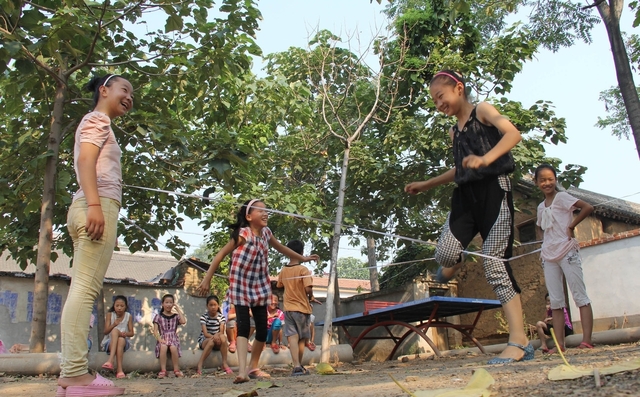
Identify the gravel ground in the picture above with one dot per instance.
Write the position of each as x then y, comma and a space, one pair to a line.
373, 378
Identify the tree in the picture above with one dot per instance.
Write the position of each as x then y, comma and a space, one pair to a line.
352, 268
399, 276
50, 48
610, 12
558, 23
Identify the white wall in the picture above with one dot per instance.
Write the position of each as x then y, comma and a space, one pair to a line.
612, 278
15, 308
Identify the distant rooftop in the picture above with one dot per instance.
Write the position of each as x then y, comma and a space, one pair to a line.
139, 267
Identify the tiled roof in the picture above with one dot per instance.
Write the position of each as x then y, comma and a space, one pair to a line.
605, 206
141, 266
611, 237
346, 283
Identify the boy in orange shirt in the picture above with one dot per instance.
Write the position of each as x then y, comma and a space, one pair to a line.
298, 295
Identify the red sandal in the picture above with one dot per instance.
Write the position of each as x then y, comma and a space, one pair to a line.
585, 345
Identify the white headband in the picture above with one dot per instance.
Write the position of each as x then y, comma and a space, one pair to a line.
107, 80
252, 202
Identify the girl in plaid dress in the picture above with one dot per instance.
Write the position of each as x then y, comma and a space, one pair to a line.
249, 283
165, 325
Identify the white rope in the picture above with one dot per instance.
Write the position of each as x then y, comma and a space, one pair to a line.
390, 235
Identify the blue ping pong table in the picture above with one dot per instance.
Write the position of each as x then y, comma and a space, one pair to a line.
427, 313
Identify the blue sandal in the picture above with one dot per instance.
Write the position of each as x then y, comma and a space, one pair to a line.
528, 355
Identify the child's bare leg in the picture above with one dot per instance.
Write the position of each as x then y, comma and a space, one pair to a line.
540, 327
301, 344
120, 344
174, 358
449, 272
114, 335
294, 348
242, 344
586, 319
163, 357
513, 313
224, 347
558, 326
255, 353
207, 346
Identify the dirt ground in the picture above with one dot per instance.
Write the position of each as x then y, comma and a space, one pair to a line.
372, 378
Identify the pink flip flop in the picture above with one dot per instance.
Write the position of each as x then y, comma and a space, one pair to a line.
108, 366
100, 387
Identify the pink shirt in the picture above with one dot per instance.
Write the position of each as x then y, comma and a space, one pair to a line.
554, 221
95, 128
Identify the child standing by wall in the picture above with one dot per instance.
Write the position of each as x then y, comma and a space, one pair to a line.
482, 202
92, 222
165, 326
298, 293
560, 252
249, 285
212, 334
118, 328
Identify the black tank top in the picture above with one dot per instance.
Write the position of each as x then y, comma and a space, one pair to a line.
477, 138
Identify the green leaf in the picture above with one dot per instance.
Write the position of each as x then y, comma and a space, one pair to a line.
12, 47
174, 22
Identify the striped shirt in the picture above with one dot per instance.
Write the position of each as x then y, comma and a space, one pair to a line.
211, 323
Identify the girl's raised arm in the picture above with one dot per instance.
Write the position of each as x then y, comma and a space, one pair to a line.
204, 286
489, 115
291, 254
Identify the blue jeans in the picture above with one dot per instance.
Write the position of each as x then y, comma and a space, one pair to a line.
275, 326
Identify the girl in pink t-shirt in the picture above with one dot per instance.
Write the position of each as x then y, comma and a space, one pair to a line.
92, 223
560, 253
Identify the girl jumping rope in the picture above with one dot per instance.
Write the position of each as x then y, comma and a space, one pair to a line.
482, 202
165, 326
118, 328
92, 221
561, 255
249, 284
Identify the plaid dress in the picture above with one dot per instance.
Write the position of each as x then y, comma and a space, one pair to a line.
249, 283
168, 326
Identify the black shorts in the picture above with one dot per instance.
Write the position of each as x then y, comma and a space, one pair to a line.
567, 331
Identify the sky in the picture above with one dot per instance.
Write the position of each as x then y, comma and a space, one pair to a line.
571, 78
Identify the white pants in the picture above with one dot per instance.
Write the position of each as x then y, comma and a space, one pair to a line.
571, 267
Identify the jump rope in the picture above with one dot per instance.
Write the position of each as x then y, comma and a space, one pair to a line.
294, 215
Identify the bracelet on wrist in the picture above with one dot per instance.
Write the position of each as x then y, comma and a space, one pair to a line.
94, 205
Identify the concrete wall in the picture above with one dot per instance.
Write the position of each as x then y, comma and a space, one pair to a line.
16, 306
612, 281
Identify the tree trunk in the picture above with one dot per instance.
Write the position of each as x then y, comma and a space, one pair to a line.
373, 270
335, 246
41, 281
610, 14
